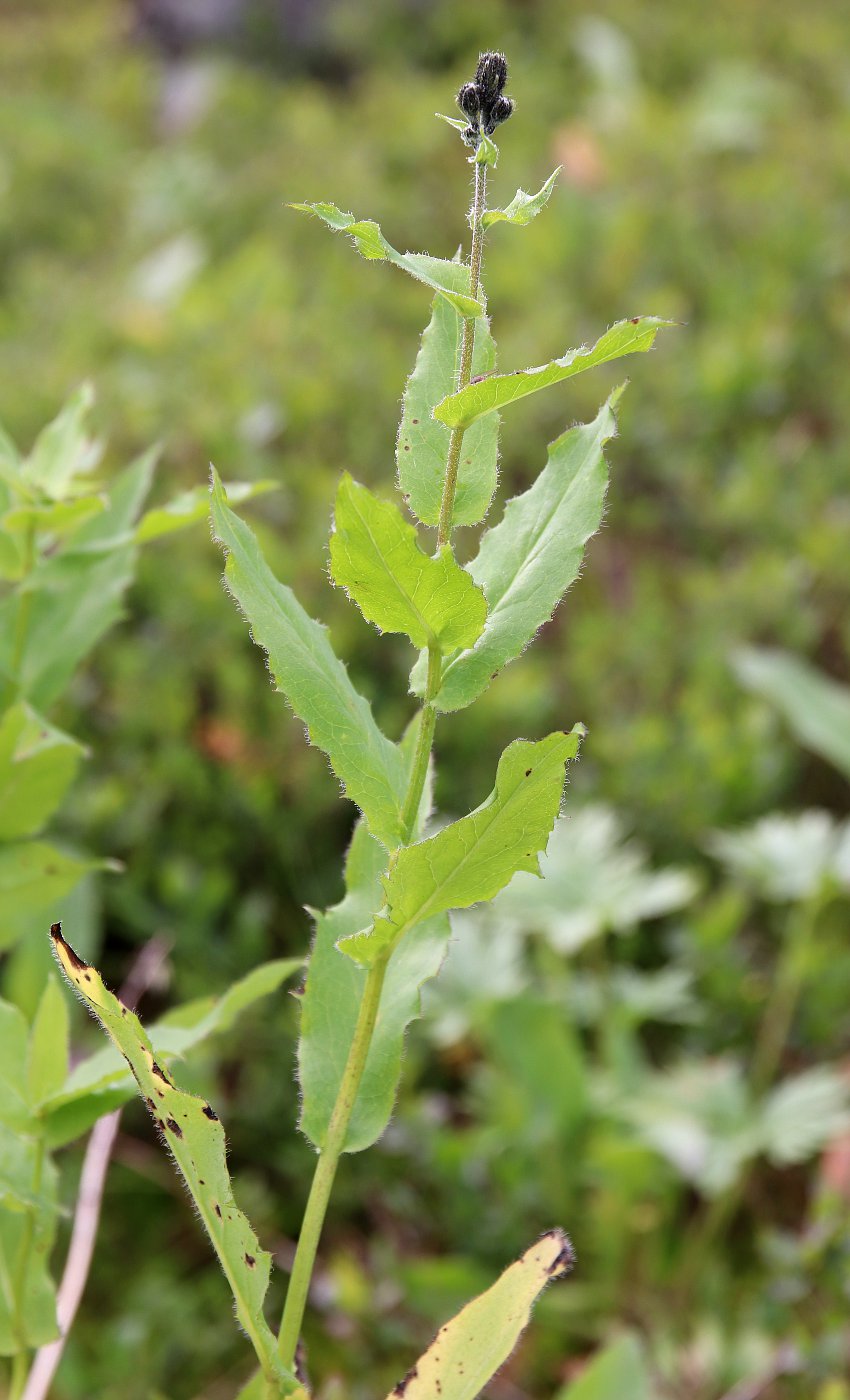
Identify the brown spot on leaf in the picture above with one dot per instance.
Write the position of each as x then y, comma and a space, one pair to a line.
250, 1261
210, 1113
403, 1384
528, 772
174, 1126
218, 1210
56, 935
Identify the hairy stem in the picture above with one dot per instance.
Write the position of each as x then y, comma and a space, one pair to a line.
323, 1179
466, 347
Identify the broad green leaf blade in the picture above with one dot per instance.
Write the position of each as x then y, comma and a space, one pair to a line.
523, 207
816, 708
127, 495
14, 1032
450, 279
423, 443
376, 558
313, 679
100, 1083
526, 563
47, 1052
193, 1134
37, 765
618, 1373
63, 450
476, 400
76, 598
33, 874
27, 1301
193, 505
468, 1351
59, 518
331, 999
472, 859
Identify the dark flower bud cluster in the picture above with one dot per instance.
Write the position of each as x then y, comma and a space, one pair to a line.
482, 101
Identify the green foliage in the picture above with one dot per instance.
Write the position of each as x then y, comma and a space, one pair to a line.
313, 679
423, 442
464, 408
817, 710
472, 859
527, 562
38, 763
332, 995
620, 1370
469, 1350
450, 279
375, 557
523, 207
28, 1185
193, 1134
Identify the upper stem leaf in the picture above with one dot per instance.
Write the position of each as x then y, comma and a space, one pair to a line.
472, 859
375, 557
523, 207
423, 443
526, 563
477, 399
450, 279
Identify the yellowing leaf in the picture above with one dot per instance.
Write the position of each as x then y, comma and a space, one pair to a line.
191, 1130
468, 1351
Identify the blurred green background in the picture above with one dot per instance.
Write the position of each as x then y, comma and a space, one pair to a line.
146, 157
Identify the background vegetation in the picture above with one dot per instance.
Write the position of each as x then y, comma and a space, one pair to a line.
144, 244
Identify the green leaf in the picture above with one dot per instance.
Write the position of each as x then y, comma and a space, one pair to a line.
804, 1114
76, 599
34, 874
37, 765
376, 558
193, 505
58, 518
63, 450
619, 1372
816, 708
527, 562
470, 1349
523, 207
476, 400
472, 859
486, 152
47, 1052
332, 995
27, 1304
193, 1134
14, 1108
101, 1082
450, 279
313, 679
127, 495
423, 443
